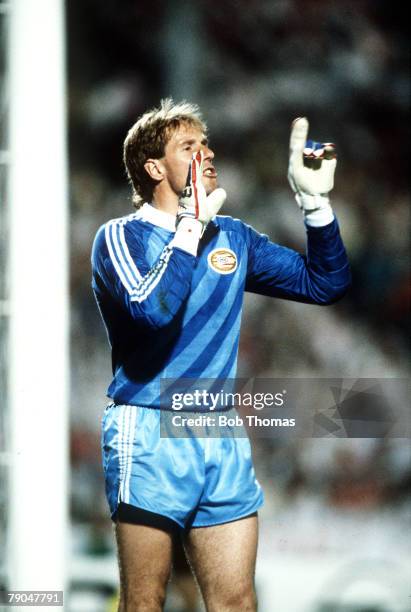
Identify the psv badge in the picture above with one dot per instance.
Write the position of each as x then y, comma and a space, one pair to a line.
223, 261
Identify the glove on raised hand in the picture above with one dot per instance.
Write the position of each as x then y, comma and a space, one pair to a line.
311, 173
194, 202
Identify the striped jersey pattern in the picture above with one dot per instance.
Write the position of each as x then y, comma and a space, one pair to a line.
137, 286
172, 315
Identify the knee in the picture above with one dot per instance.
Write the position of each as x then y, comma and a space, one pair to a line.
145, 600
246, 602
243, 599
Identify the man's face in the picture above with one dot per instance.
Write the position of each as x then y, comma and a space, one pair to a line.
179, 150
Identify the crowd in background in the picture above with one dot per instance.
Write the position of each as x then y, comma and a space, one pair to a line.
253, 66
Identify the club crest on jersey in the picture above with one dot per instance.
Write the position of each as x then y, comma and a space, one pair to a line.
223, 261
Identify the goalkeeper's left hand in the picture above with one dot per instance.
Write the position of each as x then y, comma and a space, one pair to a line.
311, 174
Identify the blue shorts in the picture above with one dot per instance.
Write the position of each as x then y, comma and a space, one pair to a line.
193, 481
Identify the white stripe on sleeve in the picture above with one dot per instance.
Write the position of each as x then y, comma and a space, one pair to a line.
137, 286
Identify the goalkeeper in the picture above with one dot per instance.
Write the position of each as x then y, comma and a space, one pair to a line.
169, 280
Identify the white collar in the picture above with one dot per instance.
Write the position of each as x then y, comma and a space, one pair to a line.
157, 217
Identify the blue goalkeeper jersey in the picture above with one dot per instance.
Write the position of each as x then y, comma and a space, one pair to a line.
172, 315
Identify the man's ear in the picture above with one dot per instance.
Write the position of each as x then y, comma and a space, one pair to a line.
155, 169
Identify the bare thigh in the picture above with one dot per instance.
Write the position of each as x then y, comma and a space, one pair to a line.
223, 559
145, 561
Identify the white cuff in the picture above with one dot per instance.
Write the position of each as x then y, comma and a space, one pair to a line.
310, 201
187, 235
320, 217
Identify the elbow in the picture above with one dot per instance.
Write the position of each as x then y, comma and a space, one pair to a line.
332, 294
154, 315
151, 319
159, 321
332, 298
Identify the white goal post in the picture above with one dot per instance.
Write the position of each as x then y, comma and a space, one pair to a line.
39, 323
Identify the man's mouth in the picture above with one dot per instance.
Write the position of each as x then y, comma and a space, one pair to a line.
210, 172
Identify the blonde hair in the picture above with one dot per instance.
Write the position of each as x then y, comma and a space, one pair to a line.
148, 137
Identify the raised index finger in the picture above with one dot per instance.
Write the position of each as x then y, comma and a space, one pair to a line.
197, 166
298, 137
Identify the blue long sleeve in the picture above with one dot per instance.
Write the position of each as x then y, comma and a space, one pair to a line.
322, 276
151, 290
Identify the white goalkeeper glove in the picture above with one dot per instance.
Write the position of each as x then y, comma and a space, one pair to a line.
311, 174
194, 202
195, 208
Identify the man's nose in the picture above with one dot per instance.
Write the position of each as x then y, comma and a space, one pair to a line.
208, 153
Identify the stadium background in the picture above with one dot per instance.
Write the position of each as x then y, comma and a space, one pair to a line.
253, 67
335, 527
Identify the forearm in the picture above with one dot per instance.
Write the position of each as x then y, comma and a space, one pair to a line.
327, 266
152, 294
319, 277
155, 304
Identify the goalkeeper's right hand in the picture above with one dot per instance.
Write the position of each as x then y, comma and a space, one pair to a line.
194, 202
